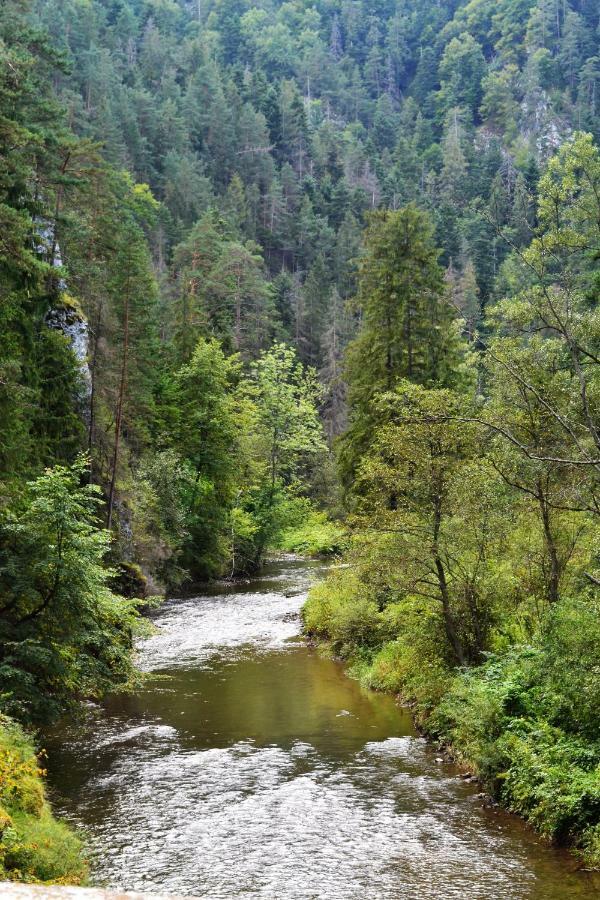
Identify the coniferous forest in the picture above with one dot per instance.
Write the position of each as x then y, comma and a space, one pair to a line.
318, 277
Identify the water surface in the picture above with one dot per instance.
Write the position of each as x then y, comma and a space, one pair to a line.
249, 766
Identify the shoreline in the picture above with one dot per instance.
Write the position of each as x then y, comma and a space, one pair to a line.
572, 856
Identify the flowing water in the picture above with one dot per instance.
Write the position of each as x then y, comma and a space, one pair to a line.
249, 766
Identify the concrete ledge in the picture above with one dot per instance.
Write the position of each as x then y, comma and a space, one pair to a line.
10, 890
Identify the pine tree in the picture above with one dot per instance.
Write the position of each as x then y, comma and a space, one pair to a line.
310, 327
335, 41
133, 296
406, 325
38, 375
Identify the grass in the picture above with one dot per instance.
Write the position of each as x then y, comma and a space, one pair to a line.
34, 846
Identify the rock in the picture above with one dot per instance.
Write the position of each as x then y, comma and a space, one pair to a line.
130, 581
66, 316
542, 125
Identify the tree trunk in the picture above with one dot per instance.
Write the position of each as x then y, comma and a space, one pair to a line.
449, 624
93, 367
119, 416
237, 338
553, 585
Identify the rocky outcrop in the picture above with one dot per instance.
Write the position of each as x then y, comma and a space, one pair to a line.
542, 126
67, 318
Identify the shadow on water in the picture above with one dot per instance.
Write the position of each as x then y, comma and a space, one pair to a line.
250, 766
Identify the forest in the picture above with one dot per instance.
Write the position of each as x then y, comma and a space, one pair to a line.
318, 277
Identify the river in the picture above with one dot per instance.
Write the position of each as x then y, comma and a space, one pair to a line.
250, 766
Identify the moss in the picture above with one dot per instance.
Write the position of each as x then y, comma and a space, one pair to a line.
70, 303
34, 846
129, 581
5, 820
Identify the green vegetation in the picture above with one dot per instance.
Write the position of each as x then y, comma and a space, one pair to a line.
471, 585
34, 847
63, 632
316, 536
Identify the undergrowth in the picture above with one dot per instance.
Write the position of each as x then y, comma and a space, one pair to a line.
526, 721
34, 846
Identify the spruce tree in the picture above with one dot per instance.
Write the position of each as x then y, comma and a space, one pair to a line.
406, 325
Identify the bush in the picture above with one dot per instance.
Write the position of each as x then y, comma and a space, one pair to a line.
340, 610
401, 668
303, 529
64, 634
526, 721
552, 779
34, 847
315, 537
565, 672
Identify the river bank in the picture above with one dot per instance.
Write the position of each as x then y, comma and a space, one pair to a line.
249, 765
510, 721
34, 845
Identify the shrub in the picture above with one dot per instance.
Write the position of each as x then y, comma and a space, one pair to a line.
63, 633
526, 721
341, 610
552, 779
33, 845
317, 536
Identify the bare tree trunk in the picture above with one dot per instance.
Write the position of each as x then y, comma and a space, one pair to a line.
553, 585
237, 340
57, 208
409, 339
120, 402
93, 368
449, 624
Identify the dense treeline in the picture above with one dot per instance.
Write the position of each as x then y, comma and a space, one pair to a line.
237, 240
200, 426
293, 120
264, 134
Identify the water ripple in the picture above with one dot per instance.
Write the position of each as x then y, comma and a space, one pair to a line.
259, 770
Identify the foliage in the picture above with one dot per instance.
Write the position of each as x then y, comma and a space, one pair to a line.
406, 329
283, 433
239, 442
202, 430
186, 291
64, 633
527, 721
34, 847
471, 587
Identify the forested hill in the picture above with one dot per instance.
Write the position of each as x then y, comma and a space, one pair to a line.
184, 182
291, 120
265, 134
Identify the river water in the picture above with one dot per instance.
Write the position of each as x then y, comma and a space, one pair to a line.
249, 766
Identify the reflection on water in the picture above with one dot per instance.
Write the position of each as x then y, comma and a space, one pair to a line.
258, 769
